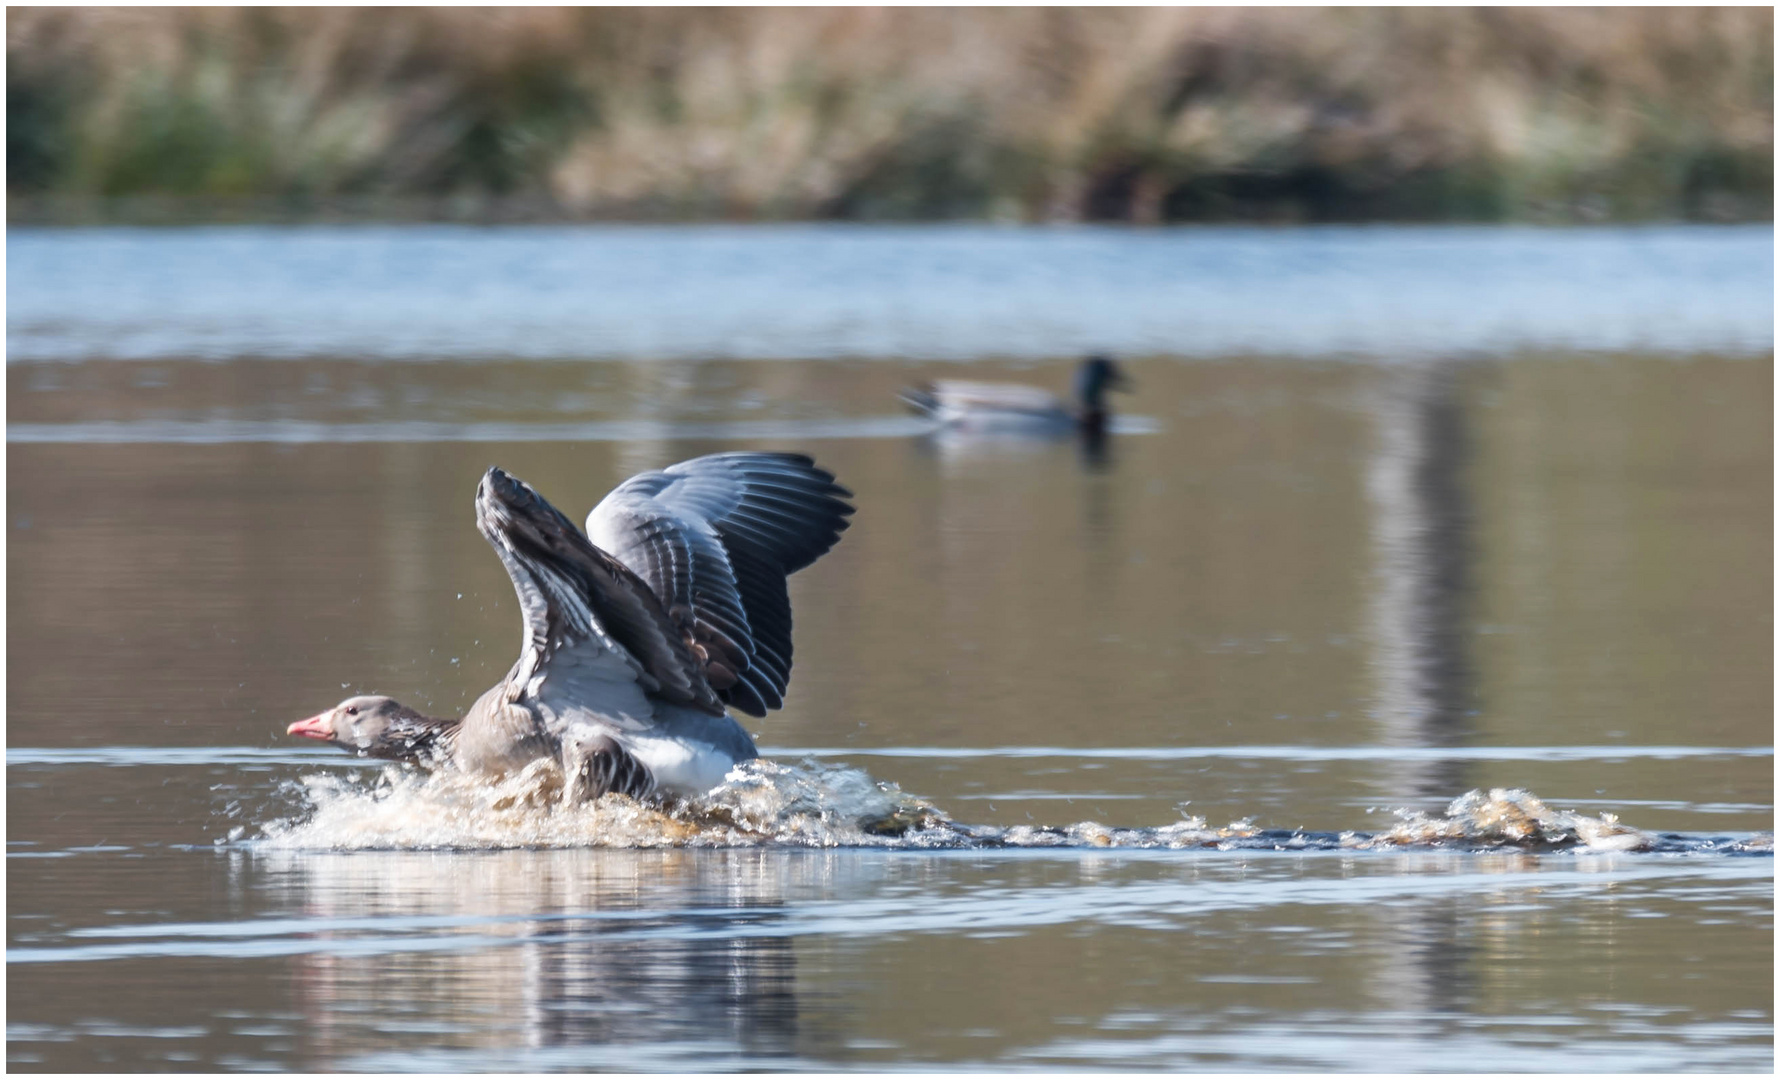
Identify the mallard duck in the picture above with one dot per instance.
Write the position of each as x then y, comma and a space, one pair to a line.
1011, 406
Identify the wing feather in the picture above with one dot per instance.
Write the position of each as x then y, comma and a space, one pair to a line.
715, 538
570, 592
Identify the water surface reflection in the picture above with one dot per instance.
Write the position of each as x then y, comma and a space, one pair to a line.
603, 949
1422, 547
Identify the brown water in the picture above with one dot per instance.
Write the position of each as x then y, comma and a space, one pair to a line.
1395, 692
1303, 595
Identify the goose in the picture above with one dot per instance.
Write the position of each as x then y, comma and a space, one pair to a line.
1013, 407
638, 633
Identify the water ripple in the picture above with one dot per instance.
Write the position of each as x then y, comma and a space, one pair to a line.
129, 756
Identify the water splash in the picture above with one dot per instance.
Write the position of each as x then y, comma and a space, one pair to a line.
766, 803
1511, 816
760, 802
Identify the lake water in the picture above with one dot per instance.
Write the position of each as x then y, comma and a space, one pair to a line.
1185, 729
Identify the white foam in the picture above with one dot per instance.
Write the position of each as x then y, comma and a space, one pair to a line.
764, 803
759, 802
1513, 816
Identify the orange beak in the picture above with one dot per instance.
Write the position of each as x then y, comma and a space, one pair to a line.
316, 727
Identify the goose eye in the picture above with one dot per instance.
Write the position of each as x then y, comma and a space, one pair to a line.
353, 711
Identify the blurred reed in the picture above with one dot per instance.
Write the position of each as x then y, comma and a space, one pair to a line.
1040, 114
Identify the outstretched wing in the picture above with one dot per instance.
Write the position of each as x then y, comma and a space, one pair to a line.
571, 593
715, 538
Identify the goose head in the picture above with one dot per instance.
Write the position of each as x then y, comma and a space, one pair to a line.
374, 726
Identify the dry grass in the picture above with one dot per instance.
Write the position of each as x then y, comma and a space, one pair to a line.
1037, 114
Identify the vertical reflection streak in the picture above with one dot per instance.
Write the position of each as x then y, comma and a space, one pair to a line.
1421, 543
1421, 546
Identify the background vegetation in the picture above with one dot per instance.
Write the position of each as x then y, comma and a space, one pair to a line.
1176, 114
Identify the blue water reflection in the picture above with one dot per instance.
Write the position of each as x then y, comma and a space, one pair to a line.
940, 292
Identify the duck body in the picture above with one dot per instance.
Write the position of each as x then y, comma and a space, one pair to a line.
633, 647
1013, 407
1002, 406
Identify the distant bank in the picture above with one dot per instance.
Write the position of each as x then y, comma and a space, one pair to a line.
1043, 114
